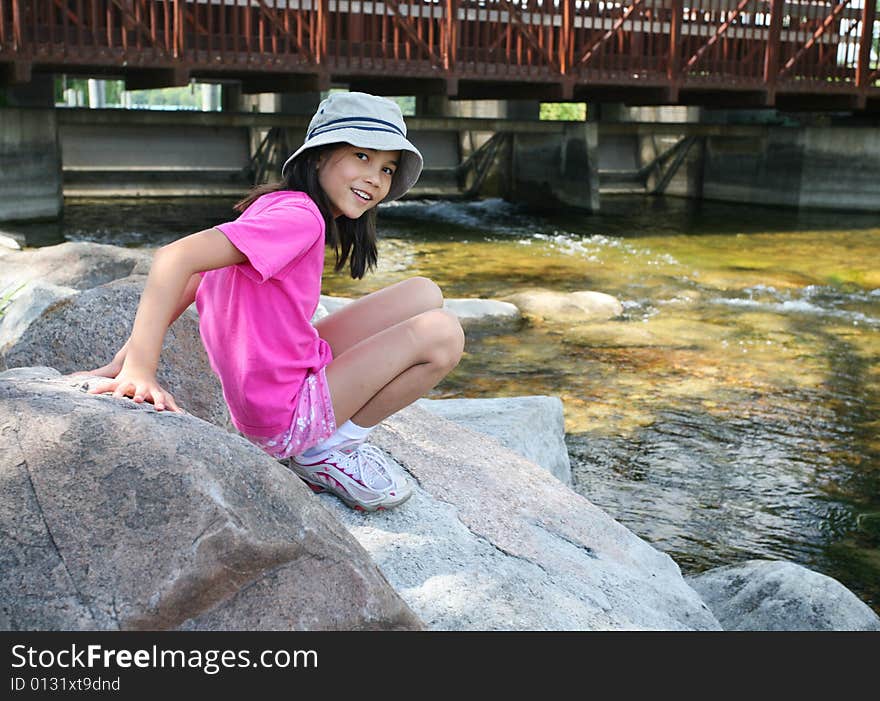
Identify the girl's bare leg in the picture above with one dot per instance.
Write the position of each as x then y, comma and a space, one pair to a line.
389, 370
378, 311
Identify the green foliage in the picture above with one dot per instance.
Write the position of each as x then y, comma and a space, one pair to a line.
564, 111
407, 104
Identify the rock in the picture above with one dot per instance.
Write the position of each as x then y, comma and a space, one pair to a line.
26, 305
533, 426
78, 265
773, 595
487, 542
484, 312
320, 313
77, 333
115, 516
470, 312
546, 305
8, 241
332, 304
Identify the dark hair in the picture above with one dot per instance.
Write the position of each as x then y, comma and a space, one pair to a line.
349, 237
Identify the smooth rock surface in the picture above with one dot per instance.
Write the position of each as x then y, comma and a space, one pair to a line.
547, 305
777, 595
86, 330
470, 312
332, 304
483, 312
79, 265
487, 542
8, 241
532, 426
26, 305
115, 516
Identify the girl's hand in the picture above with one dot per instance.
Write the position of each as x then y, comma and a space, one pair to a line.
111, 369
141, 386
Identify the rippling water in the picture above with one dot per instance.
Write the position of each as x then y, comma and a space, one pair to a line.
731, 412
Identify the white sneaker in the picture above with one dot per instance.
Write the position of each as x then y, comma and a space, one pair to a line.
358, 473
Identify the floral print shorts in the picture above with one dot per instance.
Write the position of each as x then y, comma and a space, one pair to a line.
313, 420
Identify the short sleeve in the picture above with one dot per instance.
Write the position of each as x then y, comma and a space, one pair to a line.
273, 238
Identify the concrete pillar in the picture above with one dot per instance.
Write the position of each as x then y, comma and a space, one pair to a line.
547, 170
434, 106
305, 103
523, 109
210, 97
97, 93
821, 167
230, 97
30, 178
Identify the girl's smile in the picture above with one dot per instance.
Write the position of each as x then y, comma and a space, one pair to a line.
356, 179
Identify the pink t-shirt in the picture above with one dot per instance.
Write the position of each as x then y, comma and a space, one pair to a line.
254, 317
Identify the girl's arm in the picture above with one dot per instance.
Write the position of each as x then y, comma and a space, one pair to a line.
170, 277
113, 368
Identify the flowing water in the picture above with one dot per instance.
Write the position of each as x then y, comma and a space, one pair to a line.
732, 411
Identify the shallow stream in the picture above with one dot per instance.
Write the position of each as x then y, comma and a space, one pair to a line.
733, 410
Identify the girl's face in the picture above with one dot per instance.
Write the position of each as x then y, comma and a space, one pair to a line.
356, 179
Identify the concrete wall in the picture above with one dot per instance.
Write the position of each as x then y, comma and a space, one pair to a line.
153, 160
617, 113
556, 169
841, 168
832, 168
30, 165
760, 169
818, 167
441, 151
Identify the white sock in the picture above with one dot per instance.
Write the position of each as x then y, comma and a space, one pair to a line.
349, 431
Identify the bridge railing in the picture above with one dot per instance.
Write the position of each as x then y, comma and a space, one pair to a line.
717, 43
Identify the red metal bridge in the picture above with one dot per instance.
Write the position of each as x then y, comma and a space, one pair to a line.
814, 54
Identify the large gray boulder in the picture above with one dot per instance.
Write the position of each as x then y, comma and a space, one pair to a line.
775, 595
38, 279
79, 265
84, 330
567, 307
115, 516
487, 542
27, 303
532, 426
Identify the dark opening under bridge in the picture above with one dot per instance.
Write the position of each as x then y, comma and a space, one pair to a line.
809, 54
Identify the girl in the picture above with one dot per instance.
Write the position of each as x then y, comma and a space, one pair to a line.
307, 392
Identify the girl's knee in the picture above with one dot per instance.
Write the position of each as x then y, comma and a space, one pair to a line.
427, 291
456, 337
443, 336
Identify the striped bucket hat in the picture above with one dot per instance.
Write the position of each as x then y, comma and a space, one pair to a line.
367, 121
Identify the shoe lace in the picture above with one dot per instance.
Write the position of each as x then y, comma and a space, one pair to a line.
368, 464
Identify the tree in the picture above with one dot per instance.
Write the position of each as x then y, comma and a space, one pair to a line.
564, 111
